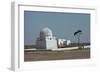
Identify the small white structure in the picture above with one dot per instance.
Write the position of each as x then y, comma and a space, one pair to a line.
46, 40
68, 42
63, 42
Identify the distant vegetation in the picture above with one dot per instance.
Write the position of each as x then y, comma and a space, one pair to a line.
29, 46
77, 34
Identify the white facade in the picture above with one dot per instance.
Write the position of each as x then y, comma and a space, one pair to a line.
68, 42
63, 42
46, 40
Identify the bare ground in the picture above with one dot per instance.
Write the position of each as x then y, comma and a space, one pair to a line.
56, 55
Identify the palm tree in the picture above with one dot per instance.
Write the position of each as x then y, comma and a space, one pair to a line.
77, 34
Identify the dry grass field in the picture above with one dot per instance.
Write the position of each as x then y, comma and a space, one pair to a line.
56, 55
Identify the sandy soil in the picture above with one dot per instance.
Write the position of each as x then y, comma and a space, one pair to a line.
56, 55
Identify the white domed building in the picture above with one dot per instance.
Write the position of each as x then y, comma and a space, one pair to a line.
46, 40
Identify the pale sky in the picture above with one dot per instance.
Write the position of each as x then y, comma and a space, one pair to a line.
63, 25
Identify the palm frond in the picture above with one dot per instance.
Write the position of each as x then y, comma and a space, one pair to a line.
78, 31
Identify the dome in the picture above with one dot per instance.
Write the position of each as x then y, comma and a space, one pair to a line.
45, 32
